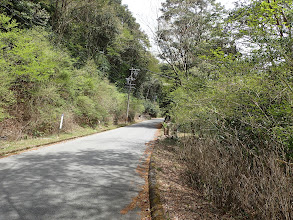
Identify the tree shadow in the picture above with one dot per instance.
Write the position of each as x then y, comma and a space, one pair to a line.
81, 185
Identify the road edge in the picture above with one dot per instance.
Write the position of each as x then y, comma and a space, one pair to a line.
157, 211
156, 207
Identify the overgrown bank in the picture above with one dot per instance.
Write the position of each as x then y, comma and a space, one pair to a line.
200, 178
252, 185
230, 97
39, 83
52, 62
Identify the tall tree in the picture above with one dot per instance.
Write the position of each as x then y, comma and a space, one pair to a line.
185, 31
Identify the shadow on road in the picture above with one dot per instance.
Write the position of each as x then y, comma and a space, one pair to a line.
82, 185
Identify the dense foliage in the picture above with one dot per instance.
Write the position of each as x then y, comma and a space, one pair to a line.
102, 30
69, 57
231, 89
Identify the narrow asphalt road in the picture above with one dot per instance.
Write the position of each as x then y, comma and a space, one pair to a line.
88, 178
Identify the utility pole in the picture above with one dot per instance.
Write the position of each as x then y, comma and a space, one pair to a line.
130, 85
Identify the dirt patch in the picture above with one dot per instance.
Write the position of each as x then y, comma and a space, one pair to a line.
178, 198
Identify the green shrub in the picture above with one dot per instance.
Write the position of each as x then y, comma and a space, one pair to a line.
151, 108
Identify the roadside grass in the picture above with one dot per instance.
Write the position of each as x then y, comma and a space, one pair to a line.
12, 147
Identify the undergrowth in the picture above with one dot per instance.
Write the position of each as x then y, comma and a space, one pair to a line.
250, 184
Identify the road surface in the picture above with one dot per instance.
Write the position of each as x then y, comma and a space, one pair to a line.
92, 177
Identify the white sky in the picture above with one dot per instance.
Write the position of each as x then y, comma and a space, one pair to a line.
147, 11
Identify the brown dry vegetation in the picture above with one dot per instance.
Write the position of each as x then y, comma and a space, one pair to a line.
250, 184
179, 199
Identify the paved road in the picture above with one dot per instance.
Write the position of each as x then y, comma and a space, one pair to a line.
88, 178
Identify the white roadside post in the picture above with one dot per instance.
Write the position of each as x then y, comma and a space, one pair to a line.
61, 123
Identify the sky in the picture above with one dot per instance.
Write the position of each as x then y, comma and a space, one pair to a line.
146, 13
